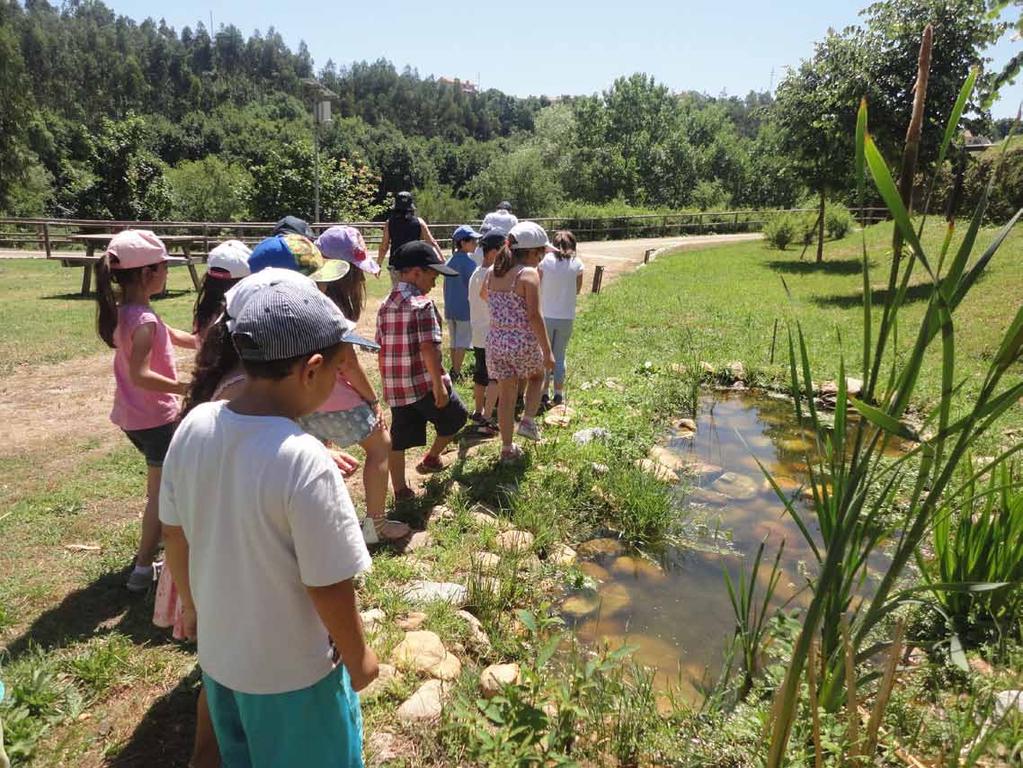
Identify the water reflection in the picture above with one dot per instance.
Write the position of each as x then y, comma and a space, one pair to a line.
676, 611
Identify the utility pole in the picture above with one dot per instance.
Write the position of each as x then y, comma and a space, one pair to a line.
321, 96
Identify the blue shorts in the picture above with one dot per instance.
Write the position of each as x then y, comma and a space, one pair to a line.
343, 428
315, 727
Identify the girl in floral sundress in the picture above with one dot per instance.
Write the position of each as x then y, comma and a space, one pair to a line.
517, 343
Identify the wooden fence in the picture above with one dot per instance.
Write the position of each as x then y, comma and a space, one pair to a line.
53, 236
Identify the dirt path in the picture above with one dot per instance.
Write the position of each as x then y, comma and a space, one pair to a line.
50, 406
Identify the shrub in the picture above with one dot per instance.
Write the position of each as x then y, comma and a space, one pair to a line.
837, 221
780, 230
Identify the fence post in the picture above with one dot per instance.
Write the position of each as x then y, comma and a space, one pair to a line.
646, 256
46, 238
206, 238
598, 277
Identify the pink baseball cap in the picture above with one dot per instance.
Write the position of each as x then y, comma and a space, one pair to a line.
347, 244
134, 248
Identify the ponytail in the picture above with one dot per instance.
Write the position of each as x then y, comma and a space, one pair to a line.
106, 299
564, 241
349, 293
210, 301
216, 358
106, 302
505, 258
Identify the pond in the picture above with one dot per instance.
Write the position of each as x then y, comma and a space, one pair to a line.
674, 609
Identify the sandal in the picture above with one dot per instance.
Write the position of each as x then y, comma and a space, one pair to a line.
429, 464
511, 454
376, 531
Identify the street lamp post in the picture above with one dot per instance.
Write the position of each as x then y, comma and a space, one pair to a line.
321, 97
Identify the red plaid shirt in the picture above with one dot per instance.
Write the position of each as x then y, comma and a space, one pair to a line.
406, 319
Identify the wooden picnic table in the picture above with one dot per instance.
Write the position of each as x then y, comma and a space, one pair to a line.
101, 240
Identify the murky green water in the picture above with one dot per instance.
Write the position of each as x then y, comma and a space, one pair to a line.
676, 611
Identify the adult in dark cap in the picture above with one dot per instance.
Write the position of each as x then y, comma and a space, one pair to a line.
404, 226
292, 225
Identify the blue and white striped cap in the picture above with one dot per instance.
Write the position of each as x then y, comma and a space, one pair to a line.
289, 319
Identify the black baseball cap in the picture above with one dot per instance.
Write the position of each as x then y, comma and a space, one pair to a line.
493, 239
504, 205
292, 225
420, 253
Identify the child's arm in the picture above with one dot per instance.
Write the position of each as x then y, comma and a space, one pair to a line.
385, 243
427, 235
430, 350
338, 610
176, 551
530, 282
142, 376
183, 338
354, 374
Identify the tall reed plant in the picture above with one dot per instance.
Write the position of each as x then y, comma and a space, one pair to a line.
854, 487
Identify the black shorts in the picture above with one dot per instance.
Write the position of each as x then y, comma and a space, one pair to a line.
153, 443
479, 372
408, 422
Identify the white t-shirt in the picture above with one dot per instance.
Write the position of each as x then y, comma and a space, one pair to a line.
557, 289
479, 310
265, 513
501, 220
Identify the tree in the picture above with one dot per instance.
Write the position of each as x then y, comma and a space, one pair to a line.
209, 190
15, 112
520, 177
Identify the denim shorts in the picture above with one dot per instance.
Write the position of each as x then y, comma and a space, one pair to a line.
459, 334
152, 443
343, 428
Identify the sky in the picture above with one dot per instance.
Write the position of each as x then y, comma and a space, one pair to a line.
554, 47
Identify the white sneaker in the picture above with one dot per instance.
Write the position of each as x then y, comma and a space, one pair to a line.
528, 429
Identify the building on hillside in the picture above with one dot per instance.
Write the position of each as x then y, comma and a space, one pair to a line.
466, 86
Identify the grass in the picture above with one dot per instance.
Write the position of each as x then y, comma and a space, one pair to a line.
63, 614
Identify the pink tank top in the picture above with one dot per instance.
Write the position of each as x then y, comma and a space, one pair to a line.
136, 408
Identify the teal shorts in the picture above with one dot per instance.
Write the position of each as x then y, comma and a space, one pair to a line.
315, 727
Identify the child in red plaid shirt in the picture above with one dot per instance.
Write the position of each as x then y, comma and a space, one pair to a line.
415, 385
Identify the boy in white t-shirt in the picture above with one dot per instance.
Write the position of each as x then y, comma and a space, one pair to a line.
263, 544
484, 390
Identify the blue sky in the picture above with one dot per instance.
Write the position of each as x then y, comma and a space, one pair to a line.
552, 47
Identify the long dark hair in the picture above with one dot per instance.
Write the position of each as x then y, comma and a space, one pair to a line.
107, 300
216, 358
564, 241
349, 293
508, 257
210, 301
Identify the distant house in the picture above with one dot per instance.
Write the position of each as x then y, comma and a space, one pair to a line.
466, 86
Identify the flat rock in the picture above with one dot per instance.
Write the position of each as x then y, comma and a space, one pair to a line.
419, 650
514, 541
559, 416
657, 470
687, 424
447, 668
497, 676
613, 598
442, 512
638, 567
485, 562
386, 673
425, 704
418, 540
529, 563
707, 496
372, 618
602, 546
476, 631
412, 622
422, 591
580, 606
703, 470
561, 555
488, 584
853, 387
614, 385
735, 486
737, 370
381, 748
589, 435
599, 469
594, 571
675, 462
484, 520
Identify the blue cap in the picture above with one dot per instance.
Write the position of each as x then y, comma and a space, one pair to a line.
296, 253
464, 232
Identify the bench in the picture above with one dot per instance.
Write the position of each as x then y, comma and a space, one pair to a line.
92, 242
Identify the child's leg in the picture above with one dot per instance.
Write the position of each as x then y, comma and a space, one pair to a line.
374, 473
457, 358
508, 390
396, 467
534, 385
478, 399
490, 402
552, 337
205, 753
150, 520
560, 335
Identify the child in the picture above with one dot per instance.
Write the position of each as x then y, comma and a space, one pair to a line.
145, 375
352, 412
517, 344
456, 297
263, 544
484, 389
561, 279
410, 334
225, 266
